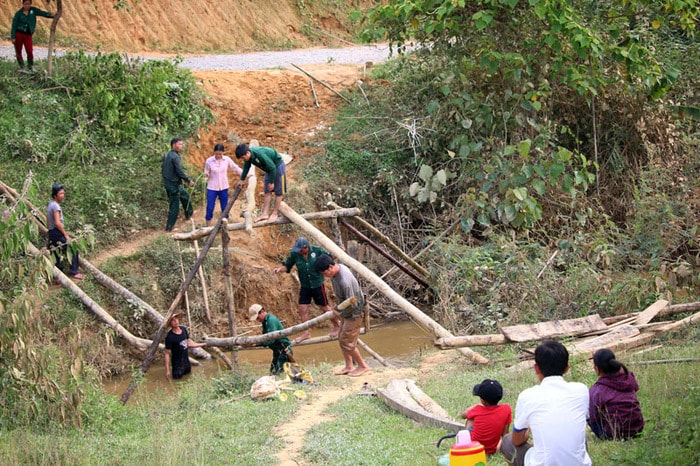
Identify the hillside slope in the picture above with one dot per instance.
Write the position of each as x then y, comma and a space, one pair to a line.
186, 26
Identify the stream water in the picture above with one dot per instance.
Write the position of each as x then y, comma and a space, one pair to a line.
396, 341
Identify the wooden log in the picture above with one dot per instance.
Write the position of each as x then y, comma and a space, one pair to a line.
387, 241
604, 341
554, 329
471, 340
649, 313
681, 323
428, 247
419, 317
323, 339
667, 311
425, 401
254, 340
202, 232
373, 353
178, 298
396, 396
388, 256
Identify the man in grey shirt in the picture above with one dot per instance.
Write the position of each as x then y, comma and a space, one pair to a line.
345, 286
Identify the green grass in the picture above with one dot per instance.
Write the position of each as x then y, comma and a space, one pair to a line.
210, 421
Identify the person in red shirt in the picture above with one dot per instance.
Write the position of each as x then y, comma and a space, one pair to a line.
488, 421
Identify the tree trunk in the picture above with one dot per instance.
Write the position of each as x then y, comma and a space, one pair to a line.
202, 232
236, 341
52, 35
419, 317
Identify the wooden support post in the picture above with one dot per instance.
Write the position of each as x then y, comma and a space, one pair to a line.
202, 281
178, 298
333, 223
230, 304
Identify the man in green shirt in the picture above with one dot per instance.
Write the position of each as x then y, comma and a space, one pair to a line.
304, 256
281, 352
269, 161
173, 176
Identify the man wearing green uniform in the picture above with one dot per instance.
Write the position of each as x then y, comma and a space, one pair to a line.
281, 352
271, 162
173, 176
304, 256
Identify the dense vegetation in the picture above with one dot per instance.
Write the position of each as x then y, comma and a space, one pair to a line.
540, 128
98, 126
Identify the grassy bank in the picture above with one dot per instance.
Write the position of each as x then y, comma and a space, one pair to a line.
211, 421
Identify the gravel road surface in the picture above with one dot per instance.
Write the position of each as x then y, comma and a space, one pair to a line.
356, 55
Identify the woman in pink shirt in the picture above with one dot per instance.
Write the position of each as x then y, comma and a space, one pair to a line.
216, 172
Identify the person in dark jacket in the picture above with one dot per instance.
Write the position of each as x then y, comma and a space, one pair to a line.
173, 176
304, 256
23, 27
614, 411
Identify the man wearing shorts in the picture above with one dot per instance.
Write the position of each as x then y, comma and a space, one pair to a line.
345, 286
271, 162
304, 256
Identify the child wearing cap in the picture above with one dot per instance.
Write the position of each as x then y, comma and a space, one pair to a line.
488, 421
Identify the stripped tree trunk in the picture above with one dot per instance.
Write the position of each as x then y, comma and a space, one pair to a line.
419, 317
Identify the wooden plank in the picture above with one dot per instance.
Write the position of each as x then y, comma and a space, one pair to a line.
604, 341
649, 313
397, 397
553, 329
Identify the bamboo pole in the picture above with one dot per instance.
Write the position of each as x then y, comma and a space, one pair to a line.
202, 232
202, 281
420, 318
373, 353
230, 304
178, 298
387, 241
254, 340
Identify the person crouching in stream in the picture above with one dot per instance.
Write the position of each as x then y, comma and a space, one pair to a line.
281, 351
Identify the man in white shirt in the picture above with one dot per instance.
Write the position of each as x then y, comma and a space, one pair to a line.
554, 412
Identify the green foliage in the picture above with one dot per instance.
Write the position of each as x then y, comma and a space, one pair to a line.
126, 101
90, 127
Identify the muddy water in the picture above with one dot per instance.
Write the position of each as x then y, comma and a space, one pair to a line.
397, 342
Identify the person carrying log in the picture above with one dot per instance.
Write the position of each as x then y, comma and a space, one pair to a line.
304, 256
281, 351
346, 286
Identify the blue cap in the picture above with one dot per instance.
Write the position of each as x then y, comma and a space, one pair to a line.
300, 244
